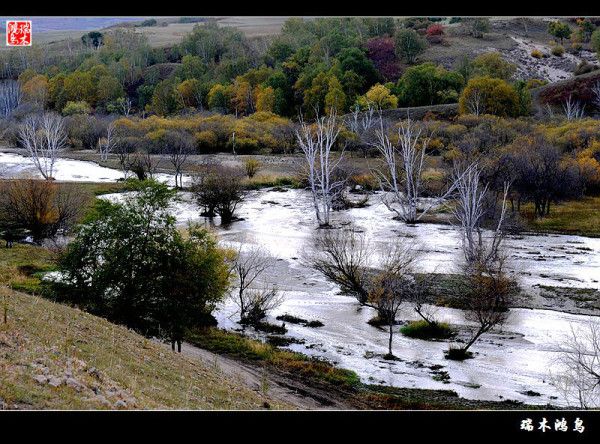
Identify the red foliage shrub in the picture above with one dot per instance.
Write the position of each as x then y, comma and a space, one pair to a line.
435, 29
382, 52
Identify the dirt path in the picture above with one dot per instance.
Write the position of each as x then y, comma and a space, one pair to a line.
274, 386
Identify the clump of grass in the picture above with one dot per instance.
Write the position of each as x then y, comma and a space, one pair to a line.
267, 327
261, 181
537, 54
457, 354
239, 346
425, 330
314, 324
283, 341
558, 51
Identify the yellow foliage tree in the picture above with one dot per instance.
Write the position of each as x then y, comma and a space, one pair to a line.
380, 97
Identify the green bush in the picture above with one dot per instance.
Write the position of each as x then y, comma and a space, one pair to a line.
425, 330
80, 107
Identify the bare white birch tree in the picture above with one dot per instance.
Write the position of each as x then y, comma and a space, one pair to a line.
10, 97
107, 144
316, 142
359, 121
573, 109
469, 211
488, 288
125, 105
44, 137
402, 179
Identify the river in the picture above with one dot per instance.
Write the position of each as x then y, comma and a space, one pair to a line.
510, 363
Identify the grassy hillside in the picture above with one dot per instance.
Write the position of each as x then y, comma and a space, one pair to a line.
56, 357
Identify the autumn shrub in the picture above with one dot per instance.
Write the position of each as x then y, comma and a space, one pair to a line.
487, 95
558, 50
435, 29
366, 181
252, 166
41, 207
537, 54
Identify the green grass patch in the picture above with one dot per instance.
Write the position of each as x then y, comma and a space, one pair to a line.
239, 346
580, 217
425, 330
22, 267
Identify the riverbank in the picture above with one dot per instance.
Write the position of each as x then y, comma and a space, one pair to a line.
576, 217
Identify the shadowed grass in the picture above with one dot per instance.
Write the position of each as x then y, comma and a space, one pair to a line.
573, 217
238, 346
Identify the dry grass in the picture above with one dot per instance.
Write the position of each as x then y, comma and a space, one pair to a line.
109, 366
573, 217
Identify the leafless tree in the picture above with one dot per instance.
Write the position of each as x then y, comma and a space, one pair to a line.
362, 124
44, 137
487, 287
486, 299
577, 375
41, 207
179, 146
253, 301
596, 94
316, 142
144, 164
125, 105
573, 109
107, 144
378, 278
10, 97
124, 148
359, 121
393, 285
470, 211
344, 257
402, 178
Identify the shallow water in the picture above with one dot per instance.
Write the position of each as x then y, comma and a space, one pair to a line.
507, 364
69, 170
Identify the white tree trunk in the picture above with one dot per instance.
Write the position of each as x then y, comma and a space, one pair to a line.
316, 144
43, 136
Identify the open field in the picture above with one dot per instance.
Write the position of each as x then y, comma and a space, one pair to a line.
166, 33
580, 217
